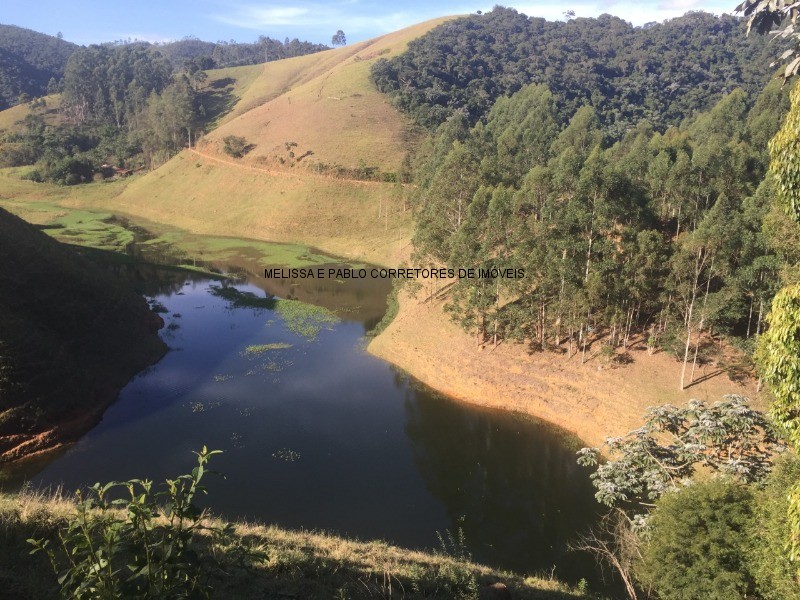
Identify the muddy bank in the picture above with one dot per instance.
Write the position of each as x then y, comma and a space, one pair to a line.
591, 400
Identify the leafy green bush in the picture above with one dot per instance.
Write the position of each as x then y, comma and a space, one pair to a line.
392, 308
144, 544
455, 576
697, 543
774, 573
70, 171
235, 146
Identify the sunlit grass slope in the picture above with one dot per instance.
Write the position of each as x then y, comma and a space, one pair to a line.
11, 118
326, 104
202, 195
300, 564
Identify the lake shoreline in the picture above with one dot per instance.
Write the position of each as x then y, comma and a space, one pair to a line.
590, 401
517, 380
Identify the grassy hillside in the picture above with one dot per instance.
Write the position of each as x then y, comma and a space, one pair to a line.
301, 564
326, 104
71, 335
203, 195
11, 118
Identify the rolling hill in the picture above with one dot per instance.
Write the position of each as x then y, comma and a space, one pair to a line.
325, 104
325, 107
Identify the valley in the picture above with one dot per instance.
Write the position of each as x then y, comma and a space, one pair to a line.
400, 283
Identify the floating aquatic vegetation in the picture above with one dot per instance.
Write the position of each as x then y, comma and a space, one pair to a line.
240, 299
270, 366
286, 454
306, 320
277, 366
198, 407
259, 349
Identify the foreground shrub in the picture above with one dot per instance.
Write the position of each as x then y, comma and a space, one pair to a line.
774, 572
697, 543
144, 544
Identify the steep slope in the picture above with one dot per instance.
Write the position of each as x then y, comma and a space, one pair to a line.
71, 335
12, 119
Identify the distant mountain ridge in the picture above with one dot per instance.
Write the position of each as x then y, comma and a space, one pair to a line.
29, 59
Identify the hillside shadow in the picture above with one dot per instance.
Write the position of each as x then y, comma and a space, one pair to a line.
217, 100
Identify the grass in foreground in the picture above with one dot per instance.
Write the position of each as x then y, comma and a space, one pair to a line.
300, 564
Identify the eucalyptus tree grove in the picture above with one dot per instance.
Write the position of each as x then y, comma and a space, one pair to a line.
670, 236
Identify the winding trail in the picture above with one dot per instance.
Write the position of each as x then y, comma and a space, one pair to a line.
299, 173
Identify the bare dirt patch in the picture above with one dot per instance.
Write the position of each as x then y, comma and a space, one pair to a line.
592, 401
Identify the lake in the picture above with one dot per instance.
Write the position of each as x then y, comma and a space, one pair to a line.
318, 434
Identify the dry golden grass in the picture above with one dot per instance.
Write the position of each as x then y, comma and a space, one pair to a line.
300, 564
203, 195
326, 104
11, 117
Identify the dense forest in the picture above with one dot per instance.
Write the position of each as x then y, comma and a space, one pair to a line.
123, 105
672, 234
32, 64
28, 61
620, 169
127, 104
660, 73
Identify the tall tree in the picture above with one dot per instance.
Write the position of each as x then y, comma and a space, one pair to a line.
339, 38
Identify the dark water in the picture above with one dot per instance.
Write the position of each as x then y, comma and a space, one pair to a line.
322, 435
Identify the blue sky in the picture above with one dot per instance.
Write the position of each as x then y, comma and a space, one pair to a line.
93, 21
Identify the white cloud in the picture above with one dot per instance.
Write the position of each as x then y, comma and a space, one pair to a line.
312, 15
256, 17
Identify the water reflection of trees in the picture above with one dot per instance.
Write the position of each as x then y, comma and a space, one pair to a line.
155, 280
512, 485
